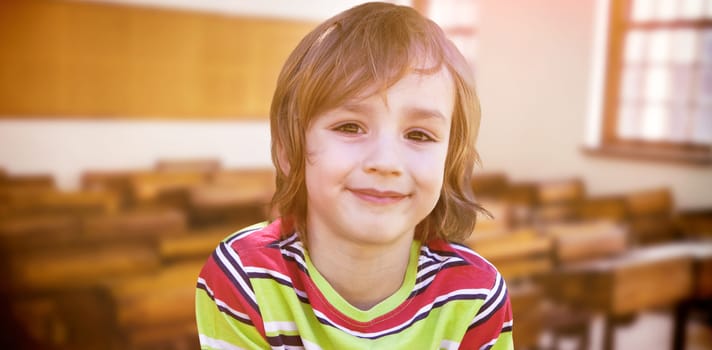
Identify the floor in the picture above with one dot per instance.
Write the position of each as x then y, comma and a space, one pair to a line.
649, 331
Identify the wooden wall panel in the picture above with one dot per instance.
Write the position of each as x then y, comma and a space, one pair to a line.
76, 59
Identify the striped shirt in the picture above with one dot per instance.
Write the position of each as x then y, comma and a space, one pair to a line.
260, 291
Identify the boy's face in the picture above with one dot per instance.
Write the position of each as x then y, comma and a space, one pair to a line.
375, 165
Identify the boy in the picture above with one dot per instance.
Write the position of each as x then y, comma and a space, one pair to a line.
373, 125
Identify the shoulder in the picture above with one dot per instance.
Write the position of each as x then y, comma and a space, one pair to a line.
244, 254
255, 236
469, 267
256, 245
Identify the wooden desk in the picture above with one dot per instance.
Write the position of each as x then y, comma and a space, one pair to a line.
585, 241
701, 253
158, 307
517, 254
645, 278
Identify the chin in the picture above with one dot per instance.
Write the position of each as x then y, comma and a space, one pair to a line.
377, 234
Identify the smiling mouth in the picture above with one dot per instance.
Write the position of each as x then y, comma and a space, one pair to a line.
379, 197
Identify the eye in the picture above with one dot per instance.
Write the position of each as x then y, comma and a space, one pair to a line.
349, 128
419, 136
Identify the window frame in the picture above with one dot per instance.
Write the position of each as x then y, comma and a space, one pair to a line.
610, 143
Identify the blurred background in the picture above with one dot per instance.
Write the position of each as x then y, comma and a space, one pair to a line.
134, 136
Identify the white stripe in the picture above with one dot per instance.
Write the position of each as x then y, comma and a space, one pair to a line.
243, 284
288, 241
272, 273
276, 275
298, 258
244, 233
219, 302
309, 345
472, 252
217, 343
508, 324
495, 304
432, 267
439, 262
424, 283
490, 344
449, 345
301, 293
202, 281
424, 309
441, 258
280, 326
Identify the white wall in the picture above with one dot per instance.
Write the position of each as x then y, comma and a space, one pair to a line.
66, 148
535, 61
534, 65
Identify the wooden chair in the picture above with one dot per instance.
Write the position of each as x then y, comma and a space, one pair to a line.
81, 318
157, 309
58, 296
28, 181
257, 183
76, 319
695, 224
193, 245
520, 254
203, 165
164, 189
31, 232
651, 216
522, 198
528, 309
611, 208
17, 186
238, 197
588, 240
490, 185
221, 205
61, 202
574, 243
558, 201
141, 225
116, 182
500, 221
77, 266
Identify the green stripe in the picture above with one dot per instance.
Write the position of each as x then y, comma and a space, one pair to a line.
504, 342
381, 308
217, 325
280, 304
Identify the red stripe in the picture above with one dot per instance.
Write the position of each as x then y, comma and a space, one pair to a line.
253, 251
223, 289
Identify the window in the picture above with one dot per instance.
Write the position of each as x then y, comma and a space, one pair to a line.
658, 86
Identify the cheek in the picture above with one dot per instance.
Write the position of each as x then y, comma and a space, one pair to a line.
429, 168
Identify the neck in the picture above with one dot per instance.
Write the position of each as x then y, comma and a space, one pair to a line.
363, 275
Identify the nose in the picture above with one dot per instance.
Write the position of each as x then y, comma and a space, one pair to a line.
384, 156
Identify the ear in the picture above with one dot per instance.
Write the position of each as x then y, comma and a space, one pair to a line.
282, 160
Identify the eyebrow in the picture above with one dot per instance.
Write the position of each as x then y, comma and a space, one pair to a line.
426, 113
359, 108
417, 112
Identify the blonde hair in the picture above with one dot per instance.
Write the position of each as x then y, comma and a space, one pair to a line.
367, 49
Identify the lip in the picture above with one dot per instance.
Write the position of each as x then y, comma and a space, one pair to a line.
378, 197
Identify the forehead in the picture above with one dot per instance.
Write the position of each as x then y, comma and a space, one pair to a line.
423, 92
